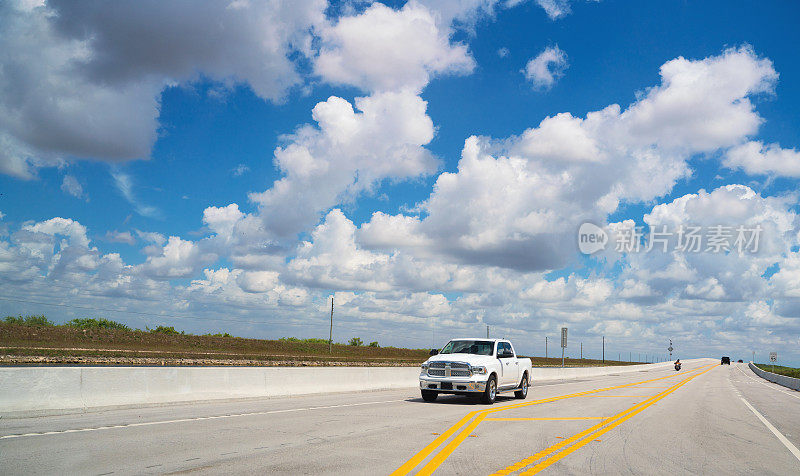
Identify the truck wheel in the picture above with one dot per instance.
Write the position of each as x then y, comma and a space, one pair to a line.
523, 389
429, 395
491, 391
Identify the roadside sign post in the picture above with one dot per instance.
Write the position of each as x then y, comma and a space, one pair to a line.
773, 357
563, 344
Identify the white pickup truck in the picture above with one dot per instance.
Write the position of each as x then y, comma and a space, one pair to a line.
476, 367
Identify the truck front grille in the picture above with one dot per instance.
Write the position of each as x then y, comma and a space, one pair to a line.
449, 369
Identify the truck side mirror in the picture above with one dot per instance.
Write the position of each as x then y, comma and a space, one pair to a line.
434, 352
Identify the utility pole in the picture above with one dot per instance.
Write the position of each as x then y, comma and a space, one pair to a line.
754, 357
330, 336
545, 347
581, 350
604, 349
487, 331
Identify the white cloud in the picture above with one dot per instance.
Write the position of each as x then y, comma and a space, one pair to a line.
120, 237
240, 170
702, 105
503, 52
555, 9
755, 158
546, 68
71, 186
348, 153
517, 202
151, 237
384, 49
61, 226
86, 83
178, 258
124, 184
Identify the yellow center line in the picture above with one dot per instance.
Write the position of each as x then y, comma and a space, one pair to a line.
547, 418
431, 466
581, 439
419, 457
437, 460
615, 396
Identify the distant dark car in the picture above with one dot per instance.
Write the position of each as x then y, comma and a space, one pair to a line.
740, 361
725, 361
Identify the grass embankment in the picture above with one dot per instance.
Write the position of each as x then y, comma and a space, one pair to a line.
36, 340
781, 370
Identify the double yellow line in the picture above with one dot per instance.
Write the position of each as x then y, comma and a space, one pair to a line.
562, 449
480, 415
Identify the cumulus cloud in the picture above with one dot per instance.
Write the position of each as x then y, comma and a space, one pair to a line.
349, 152
546, 68
82, 81
756, 158
364, 50
515, 202
178, 258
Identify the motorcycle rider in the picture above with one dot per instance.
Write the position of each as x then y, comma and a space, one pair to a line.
678, 364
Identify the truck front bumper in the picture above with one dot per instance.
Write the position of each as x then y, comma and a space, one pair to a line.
445, 385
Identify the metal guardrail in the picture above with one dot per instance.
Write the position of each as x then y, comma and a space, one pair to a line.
789, 382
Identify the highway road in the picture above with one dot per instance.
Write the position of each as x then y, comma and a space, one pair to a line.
705, 419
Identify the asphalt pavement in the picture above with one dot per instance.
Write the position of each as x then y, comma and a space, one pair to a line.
705, 419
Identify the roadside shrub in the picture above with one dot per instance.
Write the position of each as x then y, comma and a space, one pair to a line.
165, 330
355, 342
39, 321
89, 323
374, 344
219, 334
780, 370
312, 340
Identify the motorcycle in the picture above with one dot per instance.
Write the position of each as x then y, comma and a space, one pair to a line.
677, 366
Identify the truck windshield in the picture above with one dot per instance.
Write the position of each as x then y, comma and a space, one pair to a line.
477, 347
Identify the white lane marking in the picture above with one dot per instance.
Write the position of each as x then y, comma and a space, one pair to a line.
182, 420
788, 444
763, 382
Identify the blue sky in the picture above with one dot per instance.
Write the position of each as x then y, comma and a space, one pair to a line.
203, 130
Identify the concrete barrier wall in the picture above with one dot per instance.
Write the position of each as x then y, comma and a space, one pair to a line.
52, 389
790, 382
567, 373
31, 389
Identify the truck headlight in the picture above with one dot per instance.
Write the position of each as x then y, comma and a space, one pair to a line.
424, 366
478, 370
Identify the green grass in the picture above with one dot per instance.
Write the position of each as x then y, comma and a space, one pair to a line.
312, 340
780, 370
89, 323
38, 321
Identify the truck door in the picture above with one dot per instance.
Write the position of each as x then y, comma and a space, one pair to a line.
510, 372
